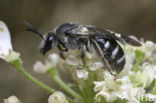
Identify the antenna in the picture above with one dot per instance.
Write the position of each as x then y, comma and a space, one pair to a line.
33, 29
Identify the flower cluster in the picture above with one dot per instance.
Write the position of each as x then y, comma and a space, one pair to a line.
131, 85
52, 61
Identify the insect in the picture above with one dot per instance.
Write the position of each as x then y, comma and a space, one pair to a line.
76, 36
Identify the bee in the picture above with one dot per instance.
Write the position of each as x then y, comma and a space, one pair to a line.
71, 36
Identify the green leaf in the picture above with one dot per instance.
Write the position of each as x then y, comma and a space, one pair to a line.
120, 101
140, 56
154, 61
153, 87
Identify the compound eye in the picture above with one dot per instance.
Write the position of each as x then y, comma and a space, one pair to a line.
51, 38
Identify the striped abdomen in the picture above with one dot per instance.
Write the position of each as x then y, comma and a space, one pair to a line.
113, 53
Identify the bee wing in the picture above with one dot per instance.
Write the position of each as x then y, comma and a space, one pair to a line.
112, 35
92, 31
124, 39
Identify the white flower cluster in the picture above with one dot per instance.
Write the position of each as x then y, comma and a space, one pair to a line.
134, 84
131, 84
122, 88
138, 74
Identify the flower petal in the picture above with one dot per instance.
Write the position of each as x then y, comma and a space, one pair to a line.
82, 74
6, 50
5, 40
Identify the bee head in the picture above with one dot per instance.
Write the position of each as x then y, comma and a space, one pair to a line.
49, 41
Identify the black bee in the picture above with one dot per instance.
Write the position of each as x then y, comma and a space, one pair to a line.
82, 37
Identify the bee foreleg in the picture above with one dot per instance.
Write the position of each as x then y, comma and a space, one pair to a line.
63, 51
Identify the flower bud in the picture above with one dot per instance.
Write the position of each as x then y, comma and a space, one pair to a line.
54, 58
12, 99
52, 61
57, 97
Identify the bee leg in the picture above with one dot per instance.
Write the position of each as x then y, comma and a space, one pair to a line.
107, 65
101, 55
83, 58
82, 54
63, 54
63, 51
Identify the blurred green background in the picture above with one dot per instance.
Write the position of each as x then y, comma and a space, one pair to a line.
137, 17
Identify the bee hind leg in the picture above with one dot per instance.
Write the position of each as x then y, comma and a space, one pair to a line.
63, 54
99, 52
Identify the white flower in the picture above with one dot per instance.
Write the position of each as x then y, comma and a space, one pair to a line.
148, 69
96, 65
6, 50
109, 96
54, 58
73, 60
145, 76
150, 97
99, 85
12, 99
57, 97
52, 61
149, 49
149, 44
82, 74
107, 93
5, 40
106, 88
89, 55
39, 67
11, 56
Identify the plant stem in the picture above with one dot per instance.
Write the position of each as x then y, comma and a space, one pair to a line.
65, 86
18, 66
